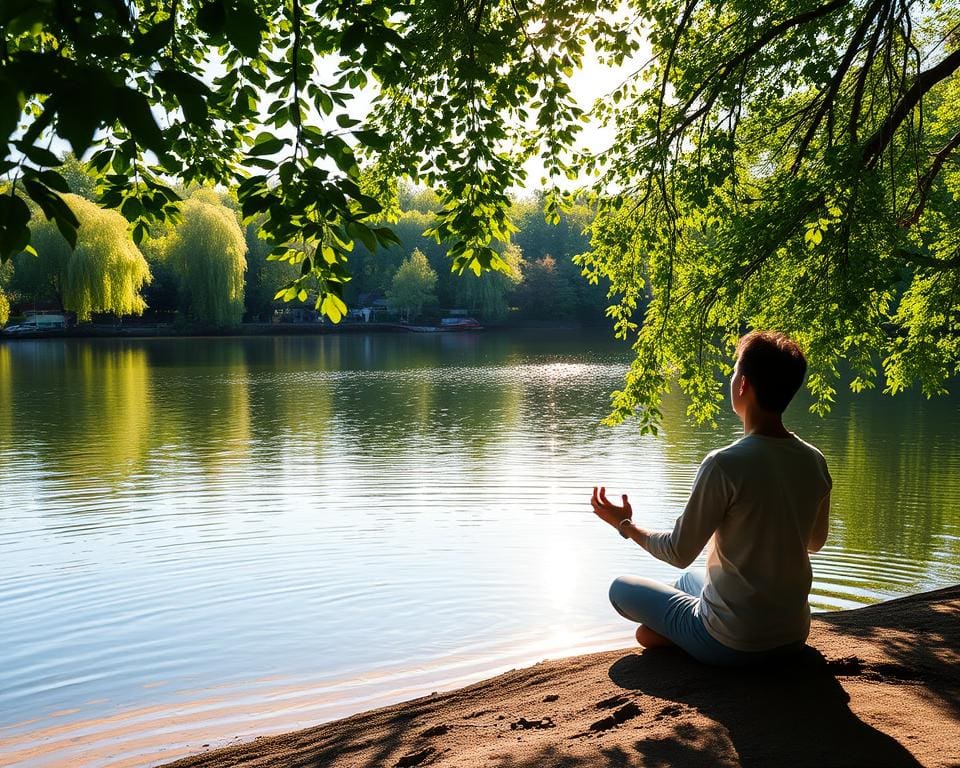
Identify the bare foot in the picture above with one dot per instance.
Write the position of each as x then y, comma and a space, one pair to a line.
650, 639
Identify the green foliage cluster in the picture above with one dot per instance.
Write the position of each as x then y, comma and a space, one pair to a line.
495, 293
413, 286
495, 297
784, 165
6, 272
207, 251
104, 272
488, 296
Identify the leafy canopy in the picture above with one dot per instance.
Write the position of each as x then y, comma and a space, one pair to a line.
259, 94
786, 164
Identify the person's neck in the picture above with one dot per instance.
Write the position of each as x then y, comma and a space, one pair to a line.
764, 423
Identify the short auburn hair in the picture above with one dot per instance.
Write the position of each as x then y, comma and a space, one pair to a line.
774, 365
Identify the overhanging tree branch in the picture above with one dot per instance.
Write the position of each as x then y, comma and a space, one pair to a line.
924, 82
923, 186
837, 80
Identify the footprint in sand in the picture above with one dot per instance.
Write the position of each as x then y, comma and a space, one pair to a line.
415, 758
619, 716
525, 725
671, 710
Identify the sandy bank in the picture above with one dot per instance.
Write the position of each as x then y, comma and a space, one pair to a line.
878, 686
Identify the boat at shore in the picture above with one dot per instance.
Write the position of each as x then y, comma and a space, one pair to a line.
448, 325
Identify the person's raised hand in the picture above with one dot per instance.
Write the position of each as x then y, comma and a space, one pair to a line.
607, 510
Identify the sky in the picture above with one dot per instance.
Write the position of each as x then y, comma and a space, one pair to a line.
592, 81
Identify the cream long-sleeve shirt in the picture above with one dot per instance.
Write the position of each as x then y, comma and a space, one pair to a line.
756, 502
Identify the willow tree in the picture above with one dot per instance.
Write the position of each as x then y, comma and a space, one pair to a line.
6, 271
786, 162
207, 249
104, 272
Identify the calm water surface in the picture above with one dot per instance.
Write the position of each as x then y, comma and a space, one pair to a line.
206, 539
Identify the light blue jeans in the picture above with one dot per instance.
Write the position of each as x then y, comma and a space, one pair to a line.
674, 612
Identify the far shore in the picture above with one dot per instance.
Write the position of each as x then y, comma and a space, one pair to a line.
171, 331
876, 686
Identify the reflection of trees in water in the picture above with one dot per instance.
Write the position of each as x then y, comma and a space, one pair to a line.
896, 474
688, 444
202, 396
84, 409
7, 443
290, 405
98, 411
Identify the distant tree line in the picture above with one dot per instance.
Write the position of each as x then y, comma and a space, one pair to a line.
204, 269
544, 283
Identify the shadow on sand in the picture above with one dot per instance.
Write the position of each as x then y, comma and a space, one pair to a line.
795, 715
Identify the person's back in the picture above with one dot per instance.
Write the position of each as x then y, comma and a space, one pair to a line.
758, 570
762, 503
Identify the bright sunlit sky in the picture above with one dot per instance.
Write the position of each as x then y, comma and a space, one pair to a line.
592, 81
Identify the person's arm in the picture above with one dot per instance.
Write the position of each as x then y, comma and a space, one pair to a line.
708, 502
821, 526
635, 533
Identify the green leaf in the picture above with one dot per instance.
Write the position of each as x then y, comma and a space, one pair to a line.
244, 27
191, 93
54, 180
78, 114
154, 38
372, 139
131, 209
133, 109
352, 37
14, 232
40, 156
268, 146
332, 306
9, 106
212, 18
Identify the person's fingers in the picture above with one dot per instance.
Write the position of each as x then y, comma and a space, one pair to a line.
603, 495
593, 499
625, 502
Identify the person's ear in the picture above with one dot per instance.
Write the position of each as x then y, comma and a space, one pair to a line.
743, 385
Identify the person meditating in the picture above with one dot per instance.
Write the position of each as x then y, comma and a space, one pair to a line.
763, 502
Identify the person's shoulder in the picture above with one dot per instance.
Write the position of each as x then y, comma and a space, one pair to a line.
732, 451
810, 448
743, 454
820, 460
727, 456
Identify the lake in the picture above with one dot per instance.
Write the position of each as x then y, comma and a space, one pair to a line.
207, 539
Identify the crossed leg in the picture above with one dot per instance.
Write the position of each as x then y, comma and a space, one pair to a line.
661, 609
